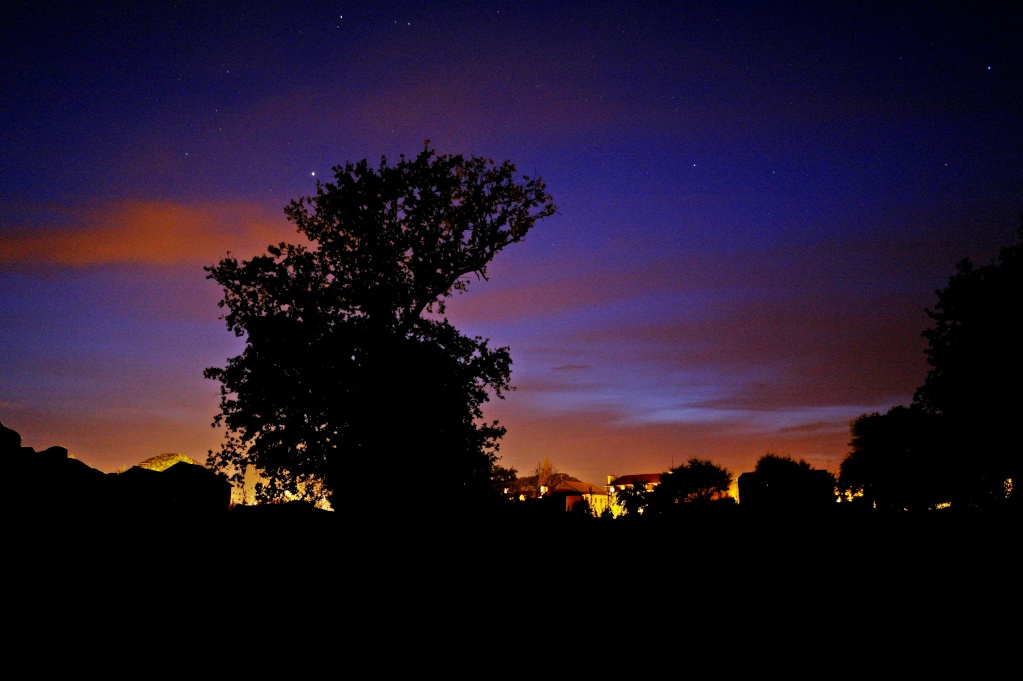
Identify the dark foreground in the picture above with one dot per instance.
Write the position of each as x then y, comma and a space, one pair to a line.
832, 580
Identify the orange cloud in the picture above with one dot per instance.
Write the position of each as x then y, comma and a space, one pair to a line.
148, 232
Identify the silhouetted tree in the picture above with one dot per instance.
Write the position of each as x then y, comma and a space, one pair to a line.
696, 482
958, 441
547, 476
782, 483
503, 480
633, 498
975, 375
896, 461
345, 378
776, 464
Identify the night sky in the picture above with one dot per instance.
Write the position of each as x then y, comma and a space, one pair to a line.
756, 201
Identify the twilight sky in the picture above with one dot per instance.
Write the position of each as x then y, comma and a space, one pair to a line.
756, 203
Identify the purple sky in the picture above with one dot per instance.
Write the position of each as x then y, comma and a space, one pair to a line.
756, 203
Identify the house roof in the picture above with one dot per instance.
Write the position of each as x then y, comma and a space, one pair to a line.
579, 487
644, 478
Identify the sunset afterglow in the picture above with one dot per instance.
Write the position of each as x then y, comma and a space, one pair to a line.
756, 203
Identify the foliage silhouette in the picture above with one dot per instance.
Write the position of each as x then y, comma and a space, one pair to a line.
975, 375
504, 481
351, 378
542, 480
957, 443
690, 485
895, 461
547, 476
633, 498
780, 483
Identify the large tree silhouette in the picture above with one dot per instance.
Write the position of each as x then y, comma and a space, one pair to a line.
897, 461
976, 373
781, 483
690, 485
958, 441
351, 380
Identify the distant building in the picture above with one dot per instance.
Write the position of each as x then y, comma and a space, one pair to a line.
575, 491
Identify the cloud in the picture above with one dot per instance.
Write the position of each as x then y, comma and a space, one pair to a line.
594, 443
832, 323
532, 285
816, 427
794, 351
146, 232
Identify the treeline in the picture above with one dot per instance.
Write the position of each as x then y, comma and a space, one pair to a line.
958, 444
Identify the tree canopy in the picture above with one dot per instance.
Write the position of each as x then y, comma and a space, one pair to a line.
546, 476
351, 378
781, 483
633, 499
695, 482
896, 462
958, 441
973, 384
780, 465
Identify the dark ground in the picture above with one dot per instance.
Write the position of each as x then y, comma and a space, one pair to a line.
932, 585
